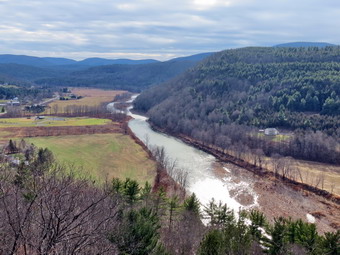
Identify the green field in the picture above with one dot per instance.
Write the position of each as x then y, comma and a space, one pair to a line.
51, 121
101, 156
275, 138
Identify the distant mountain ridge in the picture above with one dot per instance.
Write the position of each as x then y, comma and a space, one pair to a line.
124, 76
70, 64
304, 44
104, 61
34, 61
51, 61
134, 75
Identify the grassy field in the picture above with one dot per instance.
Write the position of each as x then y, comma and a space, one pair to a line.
4, 135
324, 176
91, 97
276, 138
101, 156
96, 156
51, 122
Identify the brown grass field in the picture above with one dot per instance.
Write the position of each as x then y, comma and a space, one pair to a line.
323, 176
91, 97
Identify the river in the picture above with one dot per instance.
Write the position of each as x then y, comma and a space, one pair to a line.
199, 165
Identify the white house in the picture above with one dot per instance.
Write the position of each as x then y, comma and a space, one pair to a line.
14, 102
271, 131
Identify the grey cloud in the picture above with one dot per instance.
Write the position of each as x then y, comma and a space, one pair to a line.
161, 29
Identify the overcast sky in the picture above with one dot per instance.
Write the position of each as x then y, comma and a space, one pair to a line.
160, 29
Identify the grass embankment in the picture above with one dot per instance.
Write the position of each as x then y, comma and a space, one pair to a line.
51, 122
91, 97
101, 156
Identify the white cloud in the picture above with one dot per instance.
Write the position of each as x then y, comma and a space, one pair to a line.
128, 7
208, 4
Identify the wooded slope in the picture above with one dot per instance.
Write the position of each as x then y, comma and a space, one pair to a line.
226, 96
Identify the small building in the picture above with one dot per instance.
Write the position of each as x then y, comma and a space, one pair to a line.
271, 131
14, 102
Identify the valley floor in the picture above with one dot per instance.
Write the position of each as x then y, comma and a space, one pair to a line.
96, 147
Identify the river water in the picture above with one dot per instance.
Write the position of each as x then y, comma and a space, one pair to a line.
199, 165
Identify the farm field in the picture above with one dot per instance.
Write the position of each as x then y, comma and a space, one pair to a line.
91, 97
94, 148
101, 156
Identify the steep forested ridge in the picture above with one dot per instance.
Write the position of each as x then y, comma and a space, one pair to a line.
290, 88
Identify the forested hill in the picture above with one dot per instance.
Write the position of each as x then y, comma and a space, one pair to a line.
133, 75
128, 77
291, 88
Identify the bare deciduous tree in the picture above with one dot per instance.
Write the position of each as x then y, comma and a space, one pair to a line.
56, 215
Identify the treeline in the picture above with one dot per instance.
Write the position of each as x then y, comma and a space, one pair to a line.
307, 145
45, 211
78, 110
27, 94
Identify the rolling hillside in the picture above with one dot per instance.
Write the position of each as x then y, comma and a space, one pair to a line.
234, 91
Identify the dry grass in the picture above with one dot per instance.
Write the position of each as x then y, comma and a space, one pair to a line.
320, 175
91, 97
323, 176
